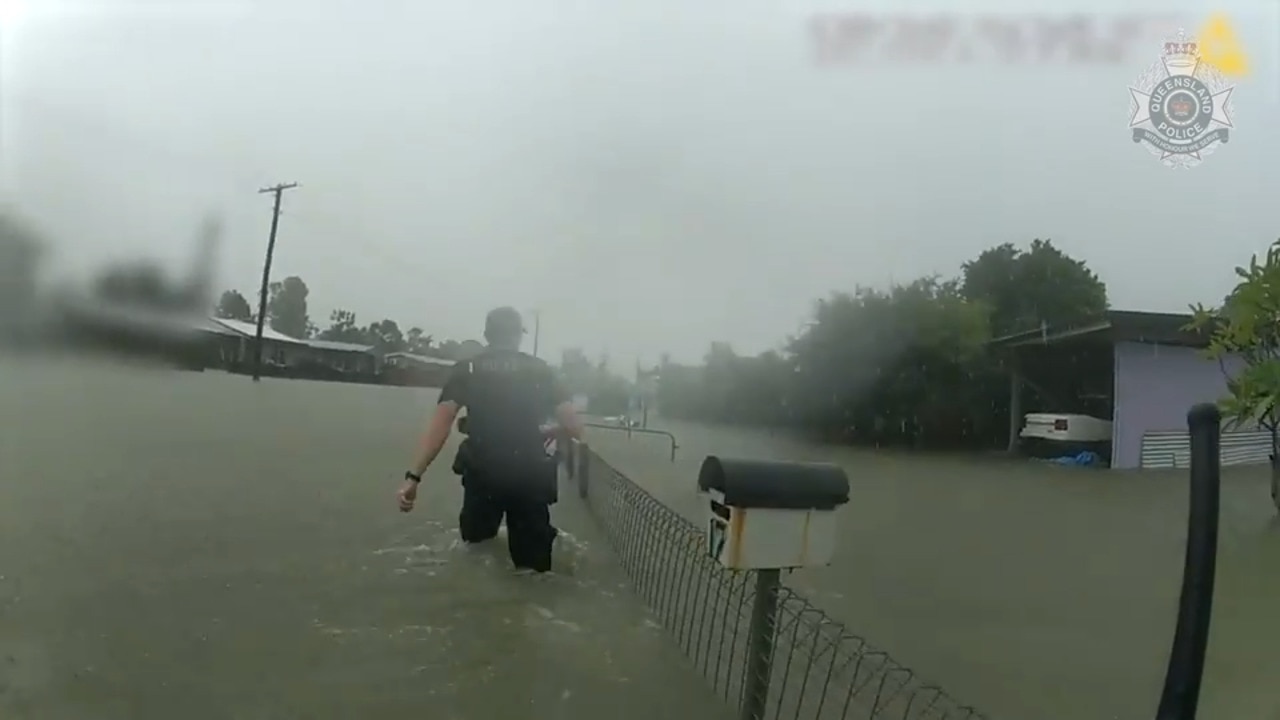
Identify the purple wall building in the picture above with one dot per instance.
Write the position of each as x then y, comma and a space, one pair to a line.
1158, 371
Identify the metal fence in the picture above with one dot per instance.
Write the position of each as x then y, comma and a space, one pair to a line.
818, 670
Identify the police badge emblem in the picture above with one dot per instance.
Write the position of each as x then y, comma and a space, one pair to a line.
1180, 108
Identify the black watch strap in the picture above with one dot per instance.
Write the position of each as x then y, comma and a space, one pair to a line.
411, 475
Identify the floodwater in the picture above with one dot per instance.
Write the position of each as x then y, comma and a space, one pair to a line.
194, 545
1029, 591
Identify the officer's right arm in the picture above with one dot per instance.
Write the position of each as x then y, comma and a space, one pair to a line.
453, 397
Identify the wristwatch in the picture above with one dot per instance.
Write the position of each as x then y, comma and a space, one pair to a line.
411, 475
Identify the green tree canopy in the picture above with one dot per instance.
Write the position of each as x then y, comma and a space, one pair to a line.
343, 328
1041, 285
287, 307
233, 306
417, 342
903, 364
385, 336
1245, 326
20, 252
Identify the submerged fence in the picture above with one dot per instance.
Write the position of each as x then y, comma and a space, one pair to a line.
802, 664
819, 670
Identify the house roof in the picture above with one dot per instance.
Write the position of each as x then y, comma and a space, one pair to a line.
249, 329
338, 346
420, 359
241, 328
1115, 326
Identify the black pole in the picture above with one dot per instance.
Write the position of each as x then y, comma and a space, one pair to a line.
764, 620
1181, 692
278, 190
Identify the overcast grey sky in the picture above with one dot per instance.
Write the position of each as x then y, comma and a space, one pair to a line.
652, 174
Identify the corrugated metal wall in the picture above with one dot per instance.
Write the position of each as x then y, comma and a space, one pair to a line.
1171, 448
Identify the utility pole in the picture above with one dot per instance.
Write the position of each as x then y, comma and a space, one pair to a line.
537, 330
278, 191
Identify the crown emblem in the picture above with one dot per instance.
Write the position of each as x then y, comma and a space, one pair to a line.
1181, 54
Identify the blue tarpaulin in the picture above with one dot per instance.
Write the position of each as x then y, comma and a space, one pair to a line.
1085, 458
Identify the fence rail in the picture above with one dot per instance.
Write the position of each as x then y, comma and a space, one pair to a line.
819, 670
639, 431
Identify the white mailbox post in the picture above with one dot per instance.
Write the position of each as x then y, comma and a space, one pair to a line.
768, 517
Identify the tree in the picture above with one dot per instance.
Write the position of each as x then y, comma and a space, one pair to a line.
20, 252
343, 328
878, 364
416, 342
1025, 289
233, 306
287, 307
447, 350
1246, 326
576, 370
385, 336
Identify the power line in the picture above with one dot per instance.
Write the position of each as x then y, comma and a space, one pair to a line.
278, 191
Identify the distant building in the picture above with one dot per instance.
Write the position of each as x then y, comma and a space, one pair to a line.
410, 360
1141, 371
404, 368
236, 347
217, 342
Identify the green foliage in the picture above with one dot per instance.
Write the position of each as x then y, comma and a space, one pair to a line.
385, 337
20, 253
343, 328
233, 306
607, 394
417, 342
287, 307
905, 364
1246, 326
576, 371
1025, 288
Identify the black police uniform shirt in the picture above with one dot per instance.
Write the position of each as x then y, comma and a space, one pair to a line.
508, 395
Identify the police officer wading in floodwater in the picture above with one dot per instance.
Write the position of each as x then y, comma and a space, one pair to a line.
504, 466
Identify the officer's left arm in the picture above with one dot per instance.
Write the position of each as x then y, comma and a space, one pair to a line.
452, 398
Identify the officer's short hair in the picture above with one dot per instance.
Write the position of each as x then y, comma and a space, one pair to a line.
503, 326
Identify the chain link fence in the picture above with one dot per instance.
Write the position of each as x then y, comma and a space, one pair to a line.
818, 670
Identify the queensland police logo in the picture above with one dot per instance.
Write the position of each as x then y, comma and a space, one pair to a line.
1181, 106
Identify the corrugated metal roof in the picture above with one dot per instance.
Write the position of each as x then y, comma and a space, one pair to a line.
420, 358
1116, 326
338, 346
251, 330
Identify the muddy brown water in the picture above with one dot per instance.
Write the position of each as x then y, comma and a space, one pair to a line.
187, 545
1027, 590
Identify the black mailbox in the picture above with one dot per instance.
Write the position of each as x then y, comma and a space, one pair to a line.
770, 515
777, 485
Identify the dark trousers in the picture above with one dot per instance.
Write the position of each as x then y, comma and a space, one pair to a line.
530, 534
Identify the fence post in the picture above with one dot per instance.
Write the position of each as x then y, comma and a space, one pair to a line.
565, 445
1181, 692
764, 621
584, 468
